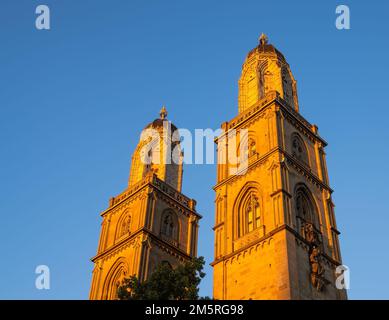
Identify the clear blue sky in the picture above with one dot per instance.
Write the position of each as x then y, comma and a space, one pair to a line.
74, 99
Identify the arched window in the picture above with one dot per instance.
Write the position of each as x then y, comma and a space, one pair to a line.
247, 147
169, 225
114, 279
307, 215
252, 147
252, 212
124, 226
298, 148
304, 207
248, 215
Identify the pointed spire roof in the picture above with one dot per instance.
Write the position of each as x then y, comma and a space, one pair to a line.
158, 123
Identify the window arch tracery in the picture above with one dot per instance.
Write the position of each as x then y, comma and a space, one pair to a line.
299, 149
169, 225
253, 217
124, 225
307, 215
249, 213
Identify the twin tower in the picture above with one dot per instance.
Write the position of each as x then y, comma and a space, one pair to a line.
275, 231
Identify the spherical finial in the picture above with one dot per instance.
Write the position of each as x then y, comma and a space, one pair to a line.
263, 39
163, 113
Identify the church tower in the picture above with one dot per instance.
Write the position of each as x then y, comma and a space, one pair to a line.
151, 221
275, 230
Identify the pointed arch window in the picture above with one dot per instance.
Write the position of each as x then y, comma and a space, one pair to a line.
308, 221
298, 148
114, 278
252, 212
169, 226
304, 207
124, 226
247, 148
248, 212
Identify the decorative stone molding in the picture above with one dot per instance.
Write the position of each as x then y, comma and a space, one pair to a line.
140, 191
308, 175
260, 107
176, 195
249, 237
262, 160
249, 250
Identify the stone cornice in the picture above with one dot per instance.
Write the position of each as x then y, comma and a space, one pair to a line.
125, 195
302, 169
186, 204
263, 104
168, 247
262, 159
244, 248
152, 181
335, 230
251, 112
119, 245
299, 122
217, 225
267, 236
281, 191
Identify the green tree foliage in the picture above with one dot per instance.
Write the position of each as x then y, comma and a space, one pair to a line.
166, 283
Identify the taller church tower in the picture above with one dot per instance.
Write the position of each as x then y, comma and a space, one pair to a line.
151, 221
275, 229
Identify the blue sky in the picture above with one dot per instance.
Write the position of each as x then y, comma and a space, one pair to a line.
74, 99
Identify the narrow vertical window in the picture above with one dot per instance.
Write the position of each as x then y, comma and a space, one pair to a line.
253, 217
299, 150
252, 147
169, 226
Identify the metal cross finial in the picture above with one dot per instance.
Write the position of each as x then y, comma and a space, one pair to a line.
163, 113
263, 39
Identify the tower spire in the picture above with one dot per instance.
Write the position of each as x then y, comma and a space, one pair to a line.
163, 112
263, 39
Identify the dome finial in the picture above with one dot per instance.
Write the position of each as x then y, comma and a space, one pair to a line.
263, 39
163, 112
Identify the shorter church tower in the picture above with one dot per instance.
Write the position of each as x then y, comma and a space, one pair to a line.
151, 221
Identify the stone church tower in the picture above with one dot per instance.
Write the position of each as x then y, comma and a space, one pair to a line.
151, 221
275, 229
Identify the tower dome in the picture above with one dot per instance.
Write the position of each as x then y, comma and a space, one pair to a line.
264, 48
158, 152
162, 121
265, 70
